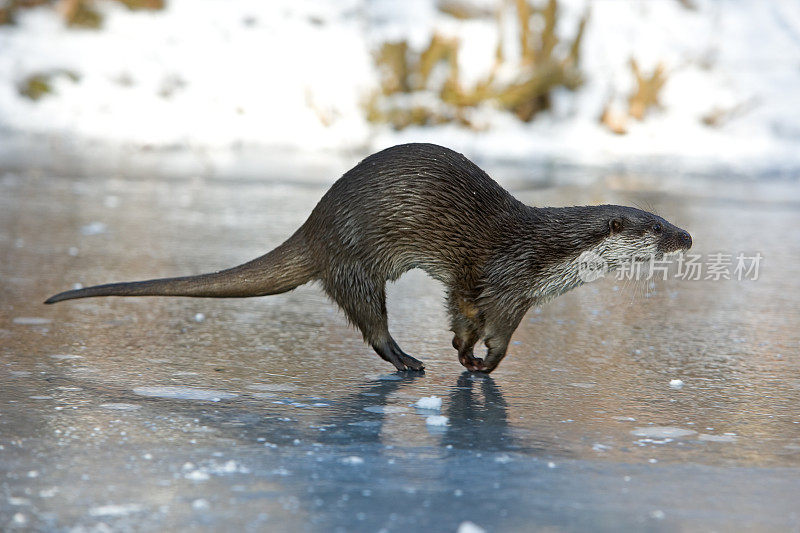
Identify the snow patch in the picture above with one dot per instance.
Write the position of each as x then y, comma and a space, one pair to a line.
470, 527
437, 421
94, 228
200, 504
433, 403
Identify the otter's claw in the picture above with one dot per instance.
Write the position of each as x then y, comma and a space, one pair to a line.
473, 364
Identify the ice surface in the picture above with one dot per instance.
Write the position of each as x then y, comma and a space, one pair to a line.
184, 393
676, 383
716, 438
353, 460
516, 413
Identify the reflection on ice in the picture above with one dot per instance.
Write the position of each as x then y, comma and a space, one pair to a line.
66, 356
120, 406
663, 432
31, 320
184, 393
385, 409
272, 387
115, 510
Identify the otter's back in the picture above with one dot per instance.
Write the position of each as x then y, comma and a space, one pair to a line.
411, 205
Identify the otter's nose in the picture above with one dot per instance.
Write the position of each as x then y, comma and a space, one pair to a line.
686, 239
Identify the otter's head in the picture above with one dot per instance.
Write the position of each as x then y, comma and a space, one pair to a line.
633, 234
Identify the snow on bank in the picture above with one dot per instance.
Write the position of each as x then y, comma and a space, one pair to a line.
289, 73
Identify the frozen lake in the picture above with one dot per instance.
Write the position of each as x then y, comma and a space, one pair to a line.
621, 406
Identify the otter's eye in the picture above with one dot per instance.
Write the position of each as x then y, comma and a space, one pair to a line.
657, 227
616, 225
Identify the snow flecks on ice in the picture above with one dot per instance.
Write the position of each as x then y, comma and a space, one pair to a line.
437, 421
431, 403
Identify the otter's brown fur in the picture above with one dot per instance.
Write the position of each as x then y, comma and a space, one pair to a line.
425, 206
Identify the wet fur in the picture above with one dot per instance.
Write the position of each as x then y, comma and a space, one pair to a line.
425, 206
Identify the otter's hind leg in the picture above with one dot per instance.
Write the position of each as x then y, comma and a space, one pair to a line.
363, 300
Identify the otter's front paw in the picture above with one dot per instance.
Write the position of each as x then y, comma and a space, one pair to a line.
473, 364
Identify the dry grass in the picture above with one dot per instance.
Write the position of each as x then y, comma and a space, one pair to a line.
463, 10
38, 85
644, 97
76, 13
411, 94
647, 90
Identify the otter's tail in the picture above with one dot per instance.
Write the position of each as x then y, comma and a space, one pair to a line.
280, 270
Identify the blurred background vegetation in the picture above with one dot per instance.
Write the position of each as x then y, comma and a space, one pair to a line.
542, 66
424, 87
508, 77
76, 13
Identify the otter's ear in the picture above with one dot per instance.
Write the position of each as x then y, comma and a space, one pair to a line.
615, 225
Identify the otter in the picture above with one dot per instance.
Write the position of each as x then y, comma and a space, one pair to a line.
425, 206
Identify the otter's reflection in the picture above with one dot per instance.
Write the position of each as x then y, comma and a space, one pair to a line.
478, 415
360, 417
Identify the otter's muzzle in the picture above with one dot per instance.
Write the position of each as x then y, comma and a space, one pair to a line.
677, 240
685, 239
